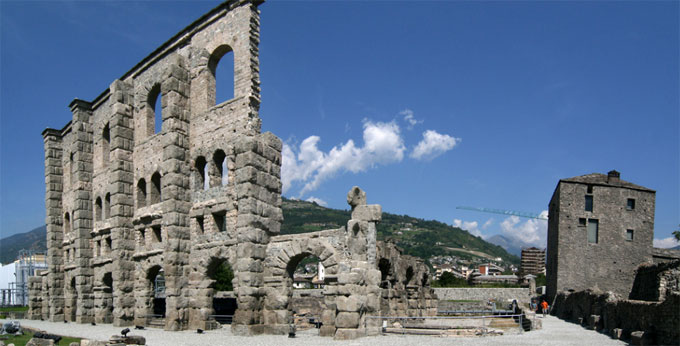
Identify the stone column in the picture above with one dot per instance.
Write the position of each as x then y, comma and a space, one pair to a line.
121, 178
176, 193
258, 192
34, 297
81, 130
54, 296
358, 292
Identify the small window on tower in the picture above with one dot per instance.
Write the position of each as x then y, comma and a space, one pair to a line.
629, 234
582, 221
589, 203
630, 205
590, 189
592, 231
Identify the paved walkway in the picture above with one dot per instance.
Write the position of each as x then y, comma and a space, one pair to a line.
554, 332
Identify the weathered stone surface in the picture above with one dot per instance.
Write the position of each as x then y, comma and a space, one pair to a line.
40, 342
139, 220
347, 320
570, 251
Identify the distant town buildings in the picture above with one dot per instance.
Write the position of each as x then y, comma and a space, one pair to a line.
533, 261
600, 228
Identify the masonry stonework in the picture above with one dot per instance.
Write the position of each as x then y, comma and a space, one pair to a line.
138, 220
600, 228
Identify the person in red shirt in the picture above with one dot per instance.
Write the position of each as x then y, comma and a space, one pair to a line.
544, 307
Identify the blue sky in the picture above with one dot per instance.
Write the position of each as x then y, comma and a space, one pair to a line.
425, 105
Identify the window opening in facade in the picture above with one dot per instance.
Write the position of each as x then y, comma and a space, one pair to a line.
589, 203
592, 231
630, 204
629, 234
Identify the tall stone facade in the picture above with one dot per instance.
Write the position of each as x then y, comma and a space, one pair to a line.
137, 219
600, 228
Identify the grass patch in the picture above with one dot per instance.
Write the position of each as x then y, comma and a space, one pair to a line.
21, 340
14, 309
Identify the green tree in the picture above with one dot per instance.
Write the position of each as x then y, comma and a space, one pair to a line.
447, 279
223, 276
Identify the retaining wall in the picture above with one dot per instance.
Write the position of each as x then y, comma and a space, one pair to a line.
657, 322
522, 295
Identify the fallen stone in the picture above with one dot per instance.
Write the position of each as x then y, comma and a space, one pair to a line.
40, 342
641, 338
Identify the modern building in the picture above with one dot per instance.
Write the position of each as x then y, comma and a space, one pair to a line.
533, 261
600, 228
14, 278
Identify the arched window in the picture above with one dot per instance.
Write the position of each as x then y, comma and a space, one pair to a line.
107, 206
221, 65
155, 193
219, 158
106, 139
154, 115
201, 174
98, 209
67, 223
141, 193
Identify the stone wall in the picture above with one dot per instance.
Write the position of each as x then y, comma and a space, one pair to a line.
659, 322
653, 282
608, 263
522, 295
665, 255
138, 218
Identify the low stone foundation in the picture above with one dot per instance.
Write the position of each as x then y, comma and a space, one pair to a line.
522, 295
656, 322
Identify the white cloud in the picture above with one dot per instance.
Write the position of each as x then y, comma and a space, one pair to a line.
310, 166
666, 243
432, 145
471, 226
533, 231
410, 119
318, 201
487, 224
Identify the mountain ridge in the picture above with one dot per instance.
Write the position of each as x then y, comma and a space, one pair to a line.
416, 237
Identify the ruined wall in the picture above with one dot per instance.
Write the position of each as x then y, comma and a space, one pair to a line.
152, 185
609, 264
405, 284
654, 282
522, 295
608, 313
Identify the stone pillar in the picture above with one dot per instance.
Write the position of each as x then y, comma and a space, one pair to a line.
176, 193
81, 130
257, 181
121, 178
358, 293
34, 297
54, 296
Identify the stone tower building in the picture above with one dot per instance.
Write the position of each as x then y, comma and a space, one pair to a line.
139, 218
600, 228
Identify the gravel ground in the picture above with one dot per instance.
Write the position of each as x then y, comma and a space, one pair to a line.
554, 332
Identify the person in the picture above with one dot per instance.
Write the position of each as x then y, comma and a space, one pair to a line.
544, 307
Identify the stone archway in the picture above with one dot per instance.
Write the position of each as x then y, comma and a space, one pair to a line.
283, 256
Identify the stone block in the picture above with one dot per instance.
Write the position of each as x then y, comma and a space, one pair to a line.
641, 338
327, 330
349, 304
347, 320
356, 197
370, 213
347, 334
